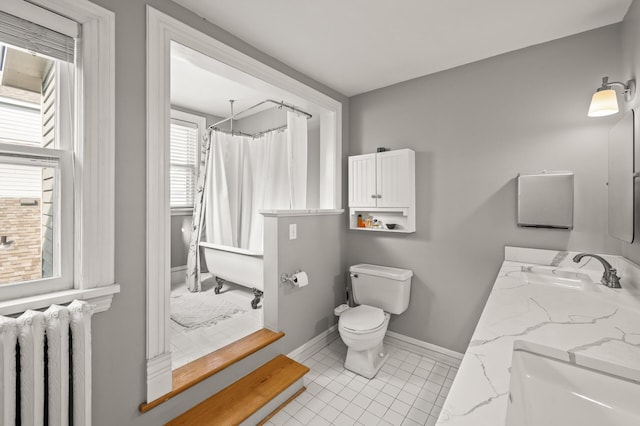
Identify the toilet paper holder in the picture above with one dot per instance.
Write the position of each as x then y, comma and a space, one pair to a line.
285, 278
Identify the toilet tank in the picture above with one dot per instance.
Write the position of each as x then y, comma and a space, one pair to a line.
380, 286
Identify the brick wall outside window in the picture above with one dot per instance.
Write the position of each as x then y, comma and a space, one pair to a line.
23, 225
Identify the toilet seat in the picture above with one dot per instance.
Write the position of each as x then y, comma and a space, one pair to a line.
362, 319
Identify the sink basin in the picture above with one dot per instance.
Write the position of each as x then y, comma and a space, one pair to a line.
559, 277
546, 391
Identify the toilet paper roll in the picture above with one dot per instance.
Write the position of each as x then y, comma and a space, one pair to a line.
301, 279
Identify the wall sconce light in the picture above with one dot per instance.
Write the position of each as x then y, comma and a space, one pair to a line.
605, 101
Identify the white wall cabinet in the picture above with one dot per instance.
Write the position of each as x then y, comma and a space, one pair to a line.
382, 185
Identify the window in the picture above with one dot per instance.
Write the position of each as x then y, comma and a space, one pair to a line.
36, 185
185, 136
56, 154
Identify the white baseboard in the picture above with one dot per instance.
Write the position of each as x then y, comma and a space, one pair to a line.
398, 340
314, 345
419, 347
178, 274
159, 379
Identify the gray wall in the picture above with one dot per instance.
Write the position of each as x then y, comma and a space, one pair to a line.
119, 376
304, 312
474, 128
630, 40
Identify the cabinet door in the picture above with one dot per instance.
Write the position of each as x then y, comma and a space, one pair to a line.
362, 180
393, 169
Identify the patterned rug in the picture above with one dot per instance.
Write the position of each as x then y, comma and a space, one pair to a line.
204, 308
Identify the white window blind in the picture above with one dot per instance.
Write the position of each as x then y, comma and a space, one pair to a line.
35, 38
184, 165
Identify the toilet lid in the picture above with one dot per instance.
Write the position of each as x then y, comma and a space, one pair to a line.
362, 318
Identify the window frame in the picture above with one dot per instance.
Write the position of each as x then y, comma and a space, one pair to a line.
93, 236
201, 123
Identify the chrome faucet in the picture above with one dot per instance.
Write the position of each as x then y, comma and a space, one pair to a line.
609, 278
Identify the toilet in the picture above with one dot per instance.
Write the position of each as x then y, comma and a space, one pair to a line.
379, 291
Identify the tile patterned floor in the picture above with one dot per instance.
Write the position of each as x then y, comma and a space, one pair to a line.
410, 390
188, 345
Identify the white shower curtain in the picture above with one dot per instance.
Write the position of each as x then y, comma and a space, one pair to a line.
252, 174
297, 150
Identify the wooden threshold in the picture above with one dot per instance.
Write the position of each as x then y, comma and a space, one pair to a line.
238, 401
202, 368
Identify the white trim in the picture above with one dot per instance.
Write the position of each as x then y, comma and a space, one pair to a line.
161, 30
438, 353
198, 120
100, 296
311, 212
158, 345
157, 379
182, 211
314, 345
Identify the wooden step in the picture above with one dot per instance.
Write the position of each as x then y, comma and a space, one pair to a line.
238, 401
202, 368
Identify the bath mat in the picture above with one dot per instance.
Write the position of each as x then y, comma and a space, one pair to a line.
204, 308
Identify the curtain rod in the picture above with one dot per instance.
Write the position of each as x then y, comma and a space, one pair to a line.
281, 104
254, 135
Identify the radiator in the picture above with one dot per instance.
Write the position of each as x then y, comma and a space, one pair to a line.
45, 366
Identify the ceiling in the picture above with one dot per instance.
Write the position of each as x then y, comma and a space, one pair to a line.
355, 46
203, 84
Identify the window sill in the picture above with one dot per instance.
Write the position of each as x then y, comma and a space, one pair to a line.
100, 297
182, 211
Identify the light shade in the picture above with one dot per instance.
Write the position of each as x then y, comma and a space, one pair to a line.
604, 102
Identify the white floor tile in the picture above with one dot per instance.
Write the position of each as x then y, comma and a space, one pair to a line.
293, 422
409, 390
384, 399
318, 421
339, 403
418, 416
343, 420
400, 407
369, 418
354, 411
303, 415
362, 401
391, 390
408, 422
316, 405
348, 393
329, 413
292, 407
377, 409
406, 397
325, 395
393, 417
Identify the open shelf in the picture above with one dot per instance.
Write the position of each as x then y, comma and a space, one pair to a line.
402, 216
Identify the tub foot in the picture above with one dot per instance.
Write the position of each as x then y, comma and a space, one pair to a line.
218, 286
258, 294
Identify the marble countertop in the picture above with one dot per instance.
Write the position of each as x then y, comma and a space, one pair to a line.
595, 326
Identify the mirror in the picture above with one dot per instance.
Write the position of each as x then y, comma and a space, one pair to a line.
621, 178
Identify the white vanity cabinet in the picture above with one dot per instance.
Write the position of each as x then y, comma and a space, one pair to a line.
382, 185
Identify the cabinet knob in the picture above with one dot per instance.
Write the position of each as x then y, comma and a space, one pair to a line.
378, 196
374, 196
